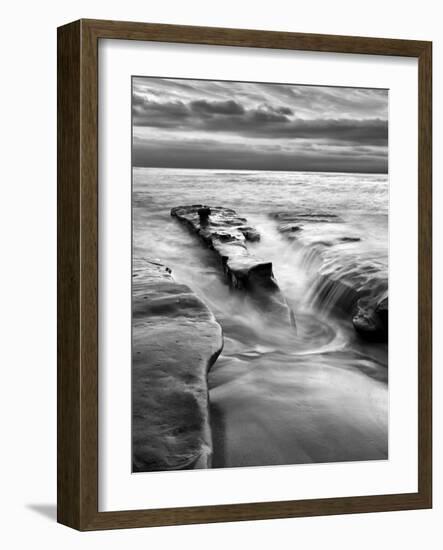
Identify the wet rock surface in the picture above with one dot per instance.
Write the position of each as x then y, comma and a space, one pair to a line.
371, 320
337, 293
175, 341
359, 294
226, 233
347, 280
290, 223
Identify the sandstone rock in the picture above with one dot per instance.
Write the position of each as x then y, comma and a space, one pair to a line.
347, 282
292, 221
382, 310
336, 293
175, 341
226, 233
371, 322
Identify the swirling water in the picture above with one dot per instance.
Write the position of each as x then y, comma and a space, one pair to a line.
317, 394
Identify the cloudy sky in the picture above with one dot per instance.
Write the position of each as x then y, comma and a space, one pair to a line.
252, 126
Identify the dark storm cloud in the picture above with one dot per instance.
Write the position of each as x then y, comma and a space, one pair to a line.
265, 116
229, 107
169, 114
232, 117
292, 127
284, 110
264, 124
355, 131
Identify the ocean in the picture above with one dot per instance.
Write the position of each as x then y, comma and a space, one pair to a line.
319, 394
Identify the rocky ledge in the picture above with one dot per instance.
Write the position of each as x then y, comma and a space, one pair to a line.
175, 341
223, 231
359, 293
358, 288
292, 223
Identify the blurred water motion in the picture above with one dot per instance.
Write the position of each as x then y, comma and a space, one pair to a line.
279, 396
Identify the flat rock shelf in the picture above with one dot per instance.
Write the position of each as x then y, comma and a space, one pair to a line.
175, 339
357, 289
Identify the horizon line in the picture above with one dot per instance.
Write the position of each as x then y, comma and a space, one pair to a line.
260, 170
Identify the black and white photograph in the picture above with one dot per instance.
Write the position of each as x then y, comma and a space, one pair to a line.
259, 274
220, 285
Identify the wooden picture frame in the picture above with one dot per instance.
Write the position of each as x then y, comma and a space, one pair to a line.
78, 274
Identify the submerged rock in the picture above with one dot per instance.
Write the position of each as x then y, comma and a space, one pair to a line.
226, 233
291, 222
349, 239
298, 216
175, 341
